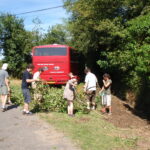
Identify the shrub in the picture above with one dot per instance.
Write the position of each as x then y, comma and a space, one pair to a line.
16, 95
46, 99
51, 99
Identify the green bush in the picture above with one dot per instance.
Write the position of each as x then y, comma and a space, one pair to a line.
50, 99
16, 94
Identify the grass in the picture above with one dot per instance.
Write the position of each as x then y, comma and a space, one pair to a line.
91, 132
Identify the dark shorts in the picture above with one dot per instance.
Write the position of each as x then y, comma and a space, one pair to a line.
91, 96
26, 95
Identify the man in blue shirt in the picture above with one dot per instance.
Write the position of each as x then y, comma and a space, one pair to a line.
26, 85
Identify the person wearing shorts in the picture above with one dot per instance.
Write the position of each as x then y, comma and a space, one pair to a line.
106, 94
4, 85
26, 85
90, 88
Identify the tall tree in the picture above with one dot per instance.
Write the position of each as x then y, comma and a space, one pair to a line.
115, 35
15, 42
56, 34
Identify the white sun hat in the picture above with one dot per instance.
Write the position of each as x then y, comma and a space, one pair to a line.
5, 66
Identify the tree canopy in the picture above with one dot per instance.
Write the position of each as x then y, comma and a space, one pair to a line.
15, 43
114, 34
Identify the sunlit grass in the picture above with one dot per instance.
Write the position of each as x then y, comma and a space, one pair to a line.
91, 132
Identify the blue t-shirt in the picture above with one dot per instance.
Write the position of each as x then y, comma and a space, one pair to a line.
26, 75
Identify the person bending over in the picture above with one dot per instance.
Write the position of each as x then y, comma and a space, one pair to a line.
69, 93
90, 88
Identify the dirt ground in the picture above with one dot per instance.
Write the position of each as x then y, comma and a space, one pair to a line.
125, 117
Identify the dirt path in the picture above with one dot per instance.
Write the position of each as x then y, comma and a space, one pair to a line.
19, 132
125, 117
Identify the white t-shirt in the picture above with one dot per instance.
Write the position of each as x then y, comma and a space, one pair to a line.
35, 77
91, 81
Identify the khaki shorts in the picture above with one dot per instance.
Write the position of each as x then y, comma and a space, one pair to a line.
4, 90
91, 96
106, 100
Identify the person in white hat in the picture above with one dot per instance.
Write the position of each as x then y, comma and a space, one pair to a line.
4, 85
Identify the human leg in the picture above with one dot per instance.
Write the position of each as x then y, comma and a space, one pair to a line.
93, 94
4, 93
4, 99
70, 107
109, 103
110, 110
104, 103
27, 100
88, 101
26, 107
9, 98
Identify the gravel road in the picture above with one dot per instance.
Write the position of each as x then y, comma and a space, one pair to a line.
20, 132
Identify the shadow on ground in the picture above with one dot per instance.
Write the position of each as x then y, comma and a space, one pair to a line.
12, 106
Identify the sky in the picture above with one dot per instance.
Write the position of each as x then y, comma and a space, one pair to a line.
48, 17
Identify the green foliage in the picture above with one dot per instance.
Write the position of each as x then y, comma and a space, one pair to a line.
133, 58
49, 99
37, 32
56, 34
52, 100
115, 34
16, 94
15, 43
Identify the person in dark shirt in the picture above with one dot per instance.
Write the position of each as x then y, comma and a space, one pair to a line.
26, 84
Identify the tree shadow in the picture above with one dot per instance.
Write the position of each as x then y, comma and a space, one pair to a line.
12, 106
138, 113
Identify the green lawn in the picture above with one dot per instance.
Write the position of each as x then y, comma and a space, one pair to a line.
91, 132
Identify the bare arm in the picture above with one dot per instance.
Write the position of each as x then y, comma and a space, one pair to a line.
106, 85
7, 83
30, 80
85, 87
101, 89
73, 82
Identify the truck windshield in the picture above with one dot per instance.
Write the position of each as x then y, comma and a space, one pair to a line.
50, 51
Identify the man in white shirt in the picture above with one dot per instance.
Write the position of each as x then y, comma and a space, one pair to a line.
90, 88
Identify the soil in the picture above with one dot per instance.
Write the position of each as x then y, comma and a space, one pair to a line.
126, 117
